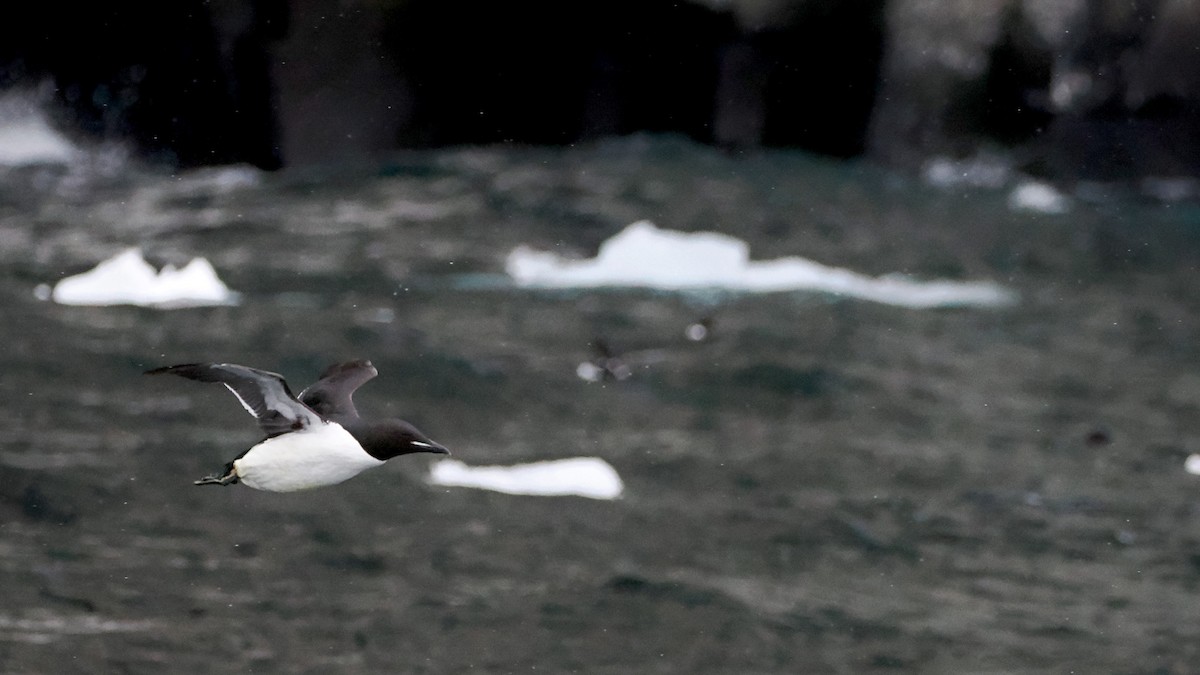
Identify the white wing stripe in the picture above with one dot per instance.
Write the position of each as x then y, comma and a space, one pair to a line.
241, 400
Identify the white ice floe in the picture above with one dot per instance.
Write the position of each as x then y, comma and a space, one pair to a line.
1039, 197
643, 255
579, 476
983, 171
1192, 464
127, 279
1171, 188
25, 135
219, 180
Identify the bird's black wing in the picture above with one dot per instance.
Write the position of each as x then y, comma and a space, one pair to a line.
264, 395
331, 395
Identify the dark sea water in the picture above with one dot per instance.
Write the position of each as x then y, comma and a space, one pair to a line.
825, 485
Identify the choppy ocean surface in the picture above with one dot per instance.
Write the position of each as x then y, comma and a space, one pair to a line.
811, 480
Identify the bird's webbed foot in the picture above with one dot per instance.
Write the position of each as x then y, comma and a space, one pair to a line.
230, 478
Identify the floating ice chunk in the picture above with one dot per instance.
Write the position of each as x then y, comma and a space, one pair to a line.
25, 135
696, 332
643, 255
589, 371
127, 279
1038, 196
579, 476
639, 255
1170, 188
218, 180
984, 171
1068, 87
1192, 464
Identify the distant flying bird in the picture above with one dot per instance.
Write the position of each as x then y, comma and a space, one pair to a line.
314, 440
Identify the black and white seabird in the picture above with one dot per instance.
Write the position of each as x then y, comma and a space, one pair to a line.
314, 440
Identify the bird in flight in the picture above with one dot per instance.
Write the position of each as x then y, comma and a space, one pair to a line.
312, 440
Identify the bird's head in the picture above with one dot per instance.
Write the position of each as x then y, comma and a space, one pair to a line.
391, 438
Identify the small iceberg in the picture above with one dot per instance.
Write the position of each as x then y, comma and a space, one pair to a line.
220, 180
1039, 197
127, 279
982, 171
578, 476
1192, 464
643, 255
26, 137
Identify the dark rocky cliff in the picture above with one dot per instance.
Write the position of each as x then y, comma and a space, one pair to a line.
1075, 89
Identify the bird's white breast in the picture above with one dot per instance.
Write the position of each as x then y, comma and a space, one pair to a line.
320, 455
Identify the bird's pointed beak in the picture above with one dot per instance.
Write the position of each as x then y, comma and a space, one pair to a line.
430, 446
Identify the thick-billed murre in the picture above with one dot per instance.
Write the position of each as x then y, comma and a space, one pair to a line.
313, 440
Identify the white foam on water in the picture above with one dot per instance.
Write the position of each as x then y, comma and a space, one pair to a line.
46, 627
643, 255
578, 476
127, 279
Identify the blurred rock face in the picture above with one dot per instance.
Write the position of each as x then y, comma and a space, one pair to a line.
1100, 89
1103, 89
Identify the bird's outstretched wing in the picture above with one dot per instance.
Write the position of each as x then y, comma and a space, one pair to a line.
331, 395
263, 394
